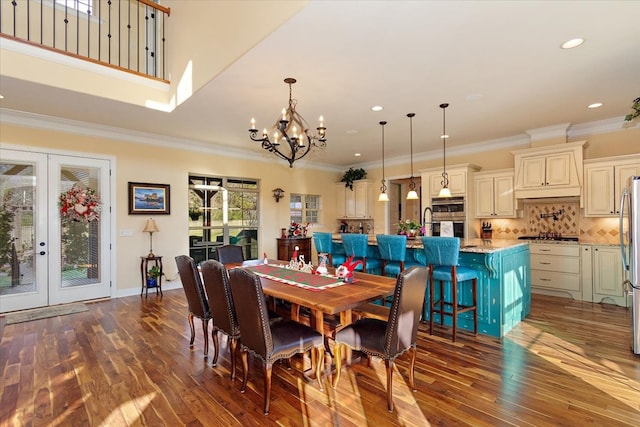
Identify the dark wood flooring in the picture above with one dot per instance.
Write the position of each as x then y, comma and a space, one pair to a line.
127, 362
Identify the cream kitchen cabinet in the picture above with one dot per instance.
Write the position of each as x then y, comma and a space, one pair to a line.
459, 180
356, 203
604, 182
494, 194
607, 275
555, 269
549, 171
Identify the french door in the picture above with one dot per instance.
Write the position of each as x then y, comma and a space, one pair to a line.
54, 229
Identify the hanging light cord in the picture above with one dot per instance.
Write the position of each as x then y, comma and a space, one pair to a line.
445, 177
412, 184
383, 188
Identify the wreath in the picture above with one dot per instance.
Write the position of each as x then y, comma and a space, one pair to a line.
80, 204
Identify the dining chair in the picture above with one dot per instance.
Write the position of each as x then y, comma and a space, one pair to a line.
230, 254
196, 298
324, 245
442, 254
357, 246
216, 285
393, 254
268, 341
393, 337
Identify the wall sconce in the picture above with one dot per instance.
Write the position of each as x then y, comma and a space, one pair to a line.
278, 193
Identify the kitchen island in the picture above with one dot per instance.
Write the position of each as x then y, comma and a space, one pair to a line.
504, 284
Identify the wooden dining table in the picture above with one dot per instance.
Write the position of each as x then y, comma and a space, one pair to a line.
337, 300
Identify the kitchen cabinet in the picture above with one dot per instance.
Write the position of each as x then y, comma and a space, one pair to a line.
604, 182
494, 194
356, 203
549, 171
555, 269
607, 275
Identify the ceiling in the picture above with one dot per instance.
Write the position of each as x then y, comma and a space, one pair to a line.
498, 64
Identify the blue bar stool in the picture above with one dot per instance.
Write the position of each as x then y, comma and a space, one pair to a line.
324, 245
393, 253
356, 245
442, 258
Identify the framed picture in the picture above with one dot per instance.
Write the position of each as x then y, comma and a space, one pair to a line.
148, 199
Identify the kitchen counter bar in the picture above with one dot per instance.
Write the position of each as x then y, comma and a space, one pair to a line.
504, 284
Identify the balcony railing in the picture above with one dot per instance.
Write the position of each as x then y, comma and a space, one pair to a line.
125, 34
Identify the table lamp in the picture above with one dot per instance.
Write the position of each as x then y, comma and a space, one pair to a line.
151, 227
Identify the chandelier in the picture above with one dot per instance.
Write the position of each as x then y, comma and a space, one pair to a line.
292, 131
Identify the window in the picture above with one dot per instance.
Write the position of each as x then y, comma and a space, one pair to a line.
304, 208
222, 211
81, 5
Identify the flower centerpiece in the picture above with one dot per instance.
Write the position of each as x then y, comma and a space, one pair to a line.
80, 204
409, 227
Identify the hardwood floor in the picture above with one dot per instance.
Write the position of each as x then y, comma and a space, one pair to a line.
127, 362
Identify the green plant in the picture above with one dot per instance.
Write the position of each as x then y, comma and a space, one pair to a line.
408, 224
353, 175
154, 272
636, 110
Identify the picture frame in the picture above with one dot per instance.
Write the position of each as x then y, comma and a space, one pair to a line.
146, 198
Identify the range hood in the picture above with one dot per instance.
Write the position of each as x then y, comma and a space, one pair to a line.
549, 171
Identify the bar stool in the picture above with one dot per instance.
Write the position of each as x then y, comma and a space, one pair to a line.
442, 255
393, 253
324, 245
357, 246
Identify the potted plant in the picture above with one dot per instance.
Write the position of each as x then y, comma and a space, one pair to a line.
635, 110
353, 175
409, 227
152, 276
194, 213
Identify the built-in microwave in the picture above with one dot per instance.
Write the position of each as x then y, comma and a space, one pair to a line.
447, 208
458, 228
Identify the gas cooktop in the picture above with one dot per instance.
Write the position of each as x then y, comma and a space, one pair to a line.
551, 238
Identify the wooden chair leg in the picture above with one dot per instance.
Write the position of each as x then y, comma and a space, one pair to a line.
193, 330
431, 296
474, 291
454, 301
205, 330
267, 386
337, 350
319, 364
412, 366
214, 336
389, 365
245, 370
234, 351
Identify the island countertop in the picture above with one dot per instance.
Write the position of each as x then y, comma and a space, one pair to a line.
466, 245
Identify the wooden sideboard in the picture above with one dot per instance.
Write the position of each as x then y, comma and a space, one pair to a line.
287, 245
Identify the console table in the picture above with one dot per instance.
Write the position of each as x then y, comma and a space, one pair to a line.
287, 245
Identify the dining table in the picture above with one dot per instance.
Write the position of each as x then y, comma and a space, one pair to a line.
322, 294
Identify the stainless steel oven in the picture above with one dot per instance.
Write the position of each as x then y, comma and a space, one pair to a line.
448, 209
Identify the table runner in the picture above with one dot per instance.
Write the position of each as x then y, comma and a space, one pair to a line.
313, 282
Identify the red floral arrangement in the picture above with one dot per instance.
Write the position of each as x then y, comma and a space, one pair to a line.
298, 230
80, 204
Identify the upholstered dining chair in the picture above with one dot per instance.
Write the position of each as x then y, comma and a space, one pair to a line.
268, 341
196, 297
393, 337
442, 255
324, 245
357, 246
393, 253
216, 285
229, 254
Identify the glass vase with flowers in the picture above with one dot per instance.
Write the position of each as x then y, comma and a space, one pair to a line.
409, 227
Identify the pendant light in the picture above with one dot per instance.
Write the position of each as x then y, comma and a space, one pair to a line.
383, 197
412, 194
444, 191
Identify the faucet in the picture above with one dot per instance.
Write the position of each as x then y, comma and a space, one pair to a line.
424, 218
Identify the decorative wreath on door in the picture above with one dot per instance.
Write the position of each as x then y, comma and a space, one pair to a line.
80, 204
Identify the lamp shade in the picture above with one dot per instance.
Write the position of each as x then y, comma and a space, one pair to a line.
151, 226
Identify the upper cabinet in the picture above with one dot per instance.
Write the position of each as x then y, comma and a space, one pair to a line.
459, 180
494, 194
549, 171
604, 181
356, 203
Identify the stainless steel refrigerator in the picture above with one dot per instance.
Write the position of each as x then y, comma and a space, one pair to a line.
630, 247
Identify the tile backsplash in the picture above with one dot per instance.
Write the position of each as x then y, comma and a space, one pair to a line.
561, 215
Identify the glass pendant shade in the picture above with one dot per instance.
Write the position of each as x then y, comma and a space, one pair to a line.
412, 195
383, 197
444, 192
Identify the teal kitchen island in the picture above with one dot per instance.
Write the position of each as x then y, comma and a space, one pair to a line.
504, 285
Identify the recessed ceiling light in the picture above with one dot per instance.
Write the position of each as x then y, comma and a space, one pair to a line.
357, 155
1, 96
595, 105
570, 44
376, 108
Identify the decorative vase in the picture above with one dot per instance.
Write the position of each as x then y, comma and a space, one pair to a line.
152, 282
